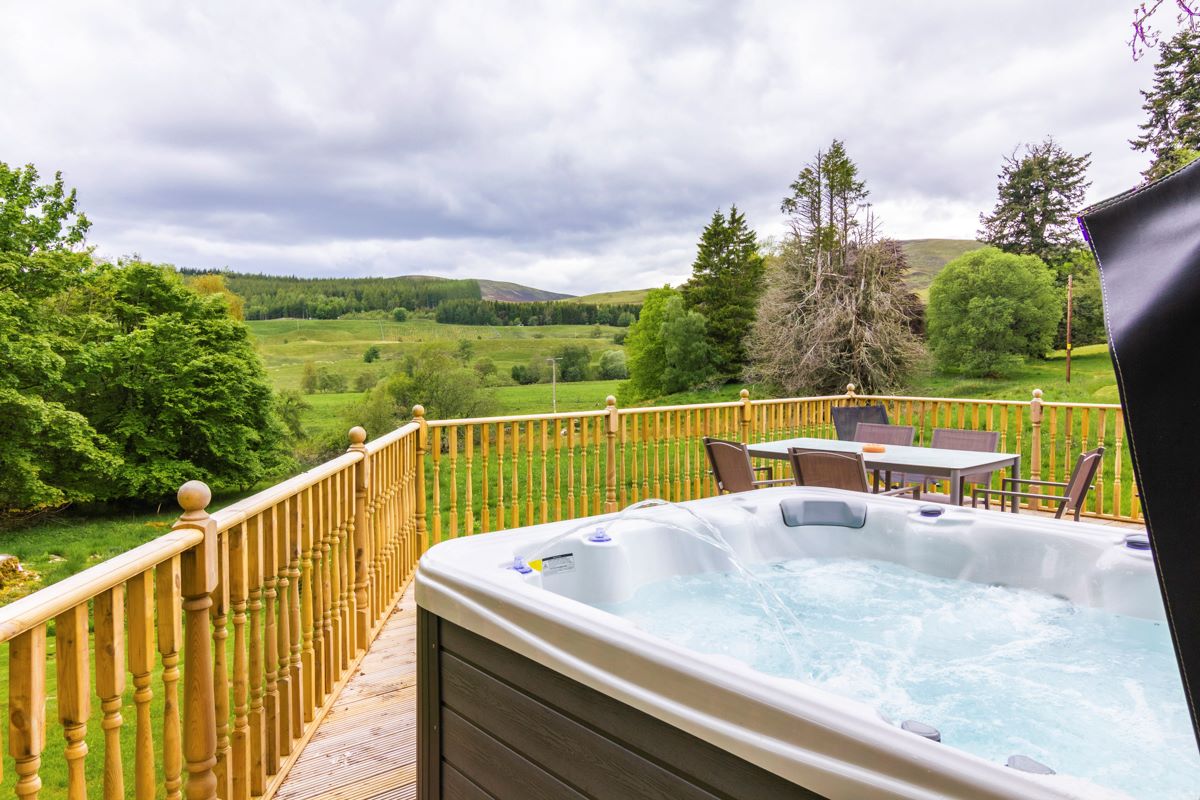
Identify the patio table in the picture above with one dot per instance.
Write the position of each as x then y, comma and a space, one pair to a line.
935, 462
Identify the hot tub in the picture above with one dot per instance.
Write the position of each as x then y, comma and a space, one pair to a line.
625, 656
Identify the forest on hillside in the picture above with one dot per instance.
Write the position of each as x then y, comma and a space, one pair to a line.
499, 312
275, 296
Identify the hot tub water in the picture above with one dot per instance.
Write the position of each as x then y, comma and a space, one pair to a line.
998, 671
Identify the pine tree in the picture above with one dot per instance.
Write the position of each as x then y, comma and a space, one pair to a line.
1038, 196
1171, 132
725, 284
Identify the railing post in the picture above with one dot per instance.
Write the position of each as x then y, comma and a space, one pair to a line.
1035, 442
610, 472
362, 536
850, 392
422, 449
746, 421
198, 573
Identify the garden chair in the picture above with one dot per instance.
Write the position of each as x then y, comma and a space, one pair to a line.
732, 469
1074, 489
875, 433
837, 471
846, 419
955, 439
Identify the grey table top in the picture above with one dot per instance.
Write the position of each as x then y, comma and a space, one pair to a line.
894, 456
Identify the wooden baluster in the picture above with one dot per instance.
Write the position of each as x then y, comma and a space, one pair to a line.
623, 493
27, 708
295, 668
253, 542
382, 501
557, 432
500, 518
529, 499
346, 563
238, 767
1118, 441
658, 486
336, 535
644, 435
139, 592
485, 478
516, 472
469, 445
220, 635
1035, 441
597, 478
308, 608
584, 442
545, 498
328, 591
453, 447
283, 680
362, 538
269, 579
1101, 426
110, 682
422, 450
570, 468
676, 433
613, 421
170, 636
1052, 472
685, 424
199, 568
435, 446
74, 693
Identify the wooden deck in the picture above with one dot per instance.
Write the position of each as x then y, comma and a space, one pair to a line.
366, 747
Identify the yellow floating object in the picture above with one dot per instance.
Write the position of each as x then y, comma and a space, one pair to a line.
536, 564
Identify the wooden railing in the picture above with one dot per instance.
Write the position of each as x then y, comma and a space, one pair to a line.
262, 609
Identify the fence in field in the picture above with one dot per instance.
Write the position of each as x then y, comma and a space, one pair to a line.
260, 611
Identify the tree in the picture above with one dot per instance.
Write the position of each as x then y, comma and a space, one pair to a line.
372, 354
290, 406
365, 381
725, 284
37, 217
214, 283
1038, 196
309, 380
836, 308
485, 367
667, 349
1087, 305
613, 365
399, 314
1171, 132
1144, 35
573, 360
465, 350
988, 310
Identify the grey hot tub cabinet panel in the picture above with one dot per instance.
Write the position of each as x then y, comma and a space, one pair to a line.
494, 725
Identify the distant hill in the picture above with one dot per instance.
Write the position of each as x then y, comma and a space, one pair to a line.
624, 297
928, 256
516, 293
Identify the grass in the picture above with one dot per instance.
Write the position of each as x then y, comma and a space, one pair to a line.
926, 257
635, 296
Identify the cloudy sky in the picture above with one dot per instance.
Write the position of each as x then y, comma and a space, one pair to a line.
572, 146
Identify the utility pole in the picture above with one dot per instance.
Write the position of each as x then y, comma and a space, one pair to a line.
553, 384
1068, 329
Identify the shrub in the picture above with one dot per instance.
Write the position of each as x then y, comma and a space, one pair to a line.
371, 355
365, 381
612, 365
988, 310
400, 314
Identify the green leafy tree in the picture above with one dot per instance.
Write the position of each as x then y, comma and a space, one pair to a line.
309, 379
836, 308
399, 314
290, 407
465, 350
372, 354
667, 349
1171, 132
573, 360
331, 382
37, 216
613, 365
1039, 194
485, 367
1087, 306
365, 381
988, 310
726, 281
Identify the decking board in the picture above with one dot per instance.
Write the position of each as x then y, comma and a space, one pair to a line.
366, 747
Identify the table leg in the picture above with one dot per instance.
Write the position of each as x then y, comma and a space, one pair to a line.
955, 488
1016, 473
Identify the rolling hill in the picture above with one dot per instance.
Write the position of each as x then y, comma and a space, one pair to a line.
516, 293
926, 257
632, 296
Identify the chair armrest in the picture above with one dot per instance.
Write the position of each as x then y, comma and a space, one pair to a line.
777, 482
977, 492
1034, 482
915, 491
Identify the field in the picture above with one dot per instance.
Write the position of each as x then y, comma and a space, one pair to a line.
611, 298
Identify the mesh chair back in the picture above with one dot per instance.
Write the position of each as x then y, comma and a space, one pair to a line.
976, 441
730, 464
1081, 480
875, 433
829, 470
846, 419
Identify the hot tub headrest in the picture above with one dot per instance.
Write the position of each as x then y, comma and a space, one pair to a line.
846, 513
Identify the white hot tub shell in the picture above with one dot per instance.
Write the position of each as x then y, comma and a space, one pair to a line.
796, 735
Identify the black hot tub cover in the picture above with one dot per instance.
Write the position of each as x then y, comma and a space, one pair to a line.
1147, 242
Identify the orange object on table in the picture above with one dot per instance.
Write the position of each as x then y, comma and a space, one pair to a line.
873, 448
